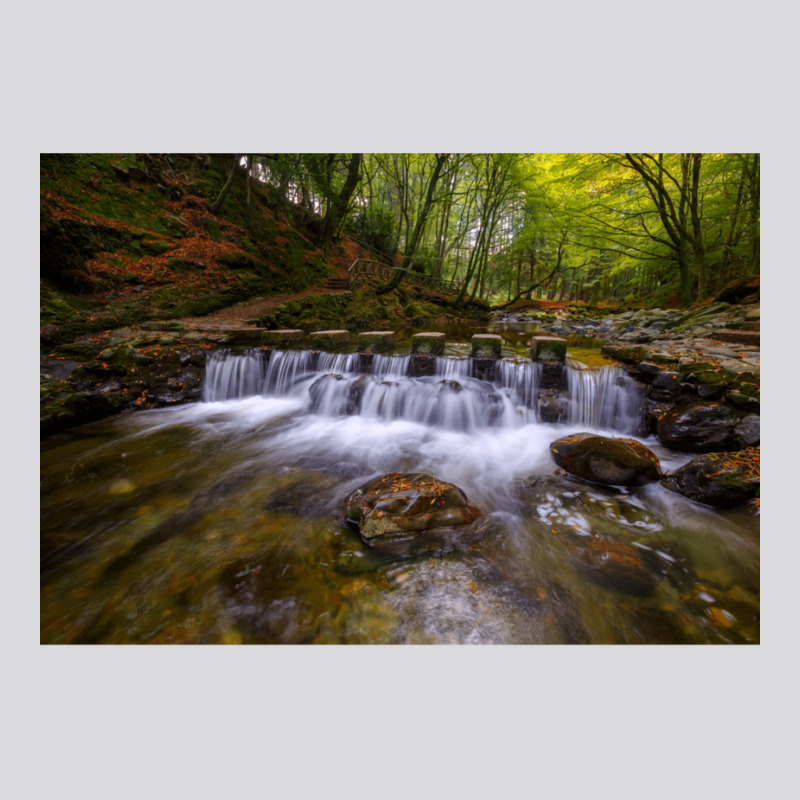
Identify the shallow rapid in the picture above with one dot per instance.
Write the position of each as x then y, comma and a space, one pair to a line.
221, 521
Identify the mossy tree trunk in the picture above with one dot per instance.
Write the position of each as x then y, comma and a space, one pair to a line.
217, 204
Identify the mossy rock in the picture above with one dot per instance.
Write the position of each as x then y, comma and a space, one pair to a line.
749, 403
747, 386
548, 348
721, 480
632, 355
715, 377
80, 351
430, 343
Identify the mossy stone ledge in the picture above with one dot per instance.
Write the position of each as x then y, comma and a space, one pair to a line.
283, 338
429, 343
486, 345
376, 341
328, 340
548, 348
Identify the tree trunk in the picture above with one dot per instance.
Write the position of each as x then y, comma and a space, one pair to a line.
217, 204
337, 207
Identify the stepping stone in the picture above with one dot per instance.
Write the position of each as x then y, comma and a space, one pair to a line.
486, 345
376, 341
282, 337
329, 340
430, 343
548, 348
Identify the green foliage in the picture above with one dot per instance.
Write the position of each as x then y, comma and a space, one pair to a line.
377, 229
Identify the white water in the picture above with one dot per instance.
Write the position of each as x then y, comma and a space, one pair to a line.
450, 400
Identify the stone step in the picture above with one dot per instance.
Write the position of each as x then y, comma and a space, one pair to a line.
486, 345
283, 338
428, 343
376, 341
548, 348
329, 340
337, 285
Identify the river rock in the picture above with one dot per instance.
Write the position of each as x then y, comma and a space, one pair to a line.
405, 512
748, 431
615, 565
260, 596
601, 459
721, 480
666, 385
699, 428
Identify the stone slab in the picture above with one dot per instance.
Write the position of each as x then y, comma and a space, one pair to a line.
428, 343
486, 345
376, 341
548, 348
329, 340
282, 337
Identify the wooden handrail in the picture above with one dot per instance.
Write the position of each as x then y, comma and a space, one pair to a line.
363, 267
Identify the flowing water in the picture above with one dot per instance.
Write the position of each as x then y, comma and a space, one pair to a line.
221, 521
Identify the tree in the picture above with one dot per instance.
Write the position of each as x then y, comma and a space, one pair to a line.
217, 204
338, 203
413, 242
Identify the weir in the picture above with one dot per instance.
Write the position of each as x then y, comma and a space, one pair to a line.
452, 395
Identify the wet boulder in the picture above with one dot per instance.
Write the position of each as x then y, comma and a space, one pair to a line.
721, 480
747, 432
606, 460
699, 428
405, 512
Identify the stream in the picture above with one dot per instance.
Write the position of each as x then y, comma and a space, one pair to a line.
221, 521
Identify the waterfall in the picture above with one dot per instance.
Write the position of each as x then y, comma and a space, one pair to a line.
604, 398
339, 363
333, 385
453, 368
234, 377
520, 376
390, 366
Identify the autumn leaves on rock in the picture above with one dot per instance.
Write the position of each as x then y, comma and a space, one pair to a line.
721, 479
400, 511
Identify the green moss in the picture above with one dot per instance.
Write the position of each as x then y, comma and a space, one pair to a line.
715, 377
240, 260
181, 265
214, 231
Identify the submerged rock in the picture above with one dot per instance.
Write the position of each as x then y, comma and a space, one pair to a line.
408, 511
721, 480
601, 459
615, 565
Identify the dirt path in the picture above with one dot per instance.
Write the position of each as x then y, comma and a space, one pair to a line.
237, 316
